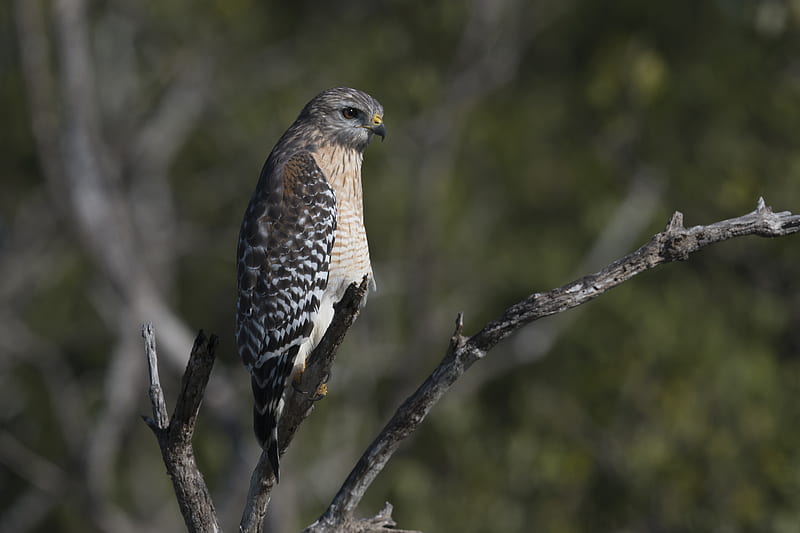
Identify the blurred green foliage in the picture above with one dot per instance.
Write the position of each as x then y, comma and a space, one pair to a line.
668, 404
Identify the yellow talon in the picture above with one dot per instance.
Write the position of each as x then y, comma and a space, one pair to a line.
322, 390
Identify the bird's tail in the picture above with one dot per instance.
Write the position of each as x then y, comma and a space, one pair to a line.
266, 411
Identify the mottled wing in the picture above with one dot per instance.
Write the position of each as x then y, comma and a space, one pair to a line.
283, 257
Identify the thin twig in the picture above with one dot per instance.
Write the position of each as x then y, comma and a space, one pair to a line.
160, 418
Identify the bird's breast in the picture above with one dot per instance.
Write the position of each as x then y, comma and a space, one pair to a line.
350, 255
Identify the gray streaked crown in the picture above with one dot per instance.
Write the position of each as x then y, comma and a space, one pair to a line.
326, 112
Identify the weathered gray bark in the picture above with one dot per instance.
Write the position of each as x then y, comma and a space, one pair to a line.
675, 243
175, 434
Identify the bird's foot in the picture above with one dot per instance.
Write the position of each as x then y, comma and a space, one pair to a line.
321, 392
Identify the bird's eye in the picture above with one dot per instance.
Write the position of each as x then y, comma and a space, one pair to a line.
349, 113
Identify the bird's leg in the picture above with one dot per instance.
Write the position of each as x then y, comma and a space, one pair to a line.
297, 377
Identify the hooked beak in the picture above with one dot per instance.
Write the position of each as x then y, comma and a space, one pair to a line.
376, 126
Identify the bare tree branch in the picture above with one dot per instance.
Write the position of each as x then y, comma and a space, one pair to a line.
534, 341
160, 418
175, 437
380, 523
675, 243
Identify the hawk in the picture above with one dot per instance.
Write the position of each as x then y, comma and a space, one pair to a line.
301, 244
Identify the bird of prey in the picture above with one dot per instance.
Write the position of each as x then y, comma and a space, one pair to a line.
302, 242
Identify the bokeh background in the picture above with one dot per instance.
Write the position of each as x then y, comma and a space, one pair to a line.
529, 143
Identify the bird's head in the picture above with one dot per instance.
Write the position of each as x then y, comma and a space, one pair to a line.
345, 116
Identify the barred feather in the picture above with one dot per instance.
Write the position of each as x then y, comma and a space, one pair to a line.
290, 266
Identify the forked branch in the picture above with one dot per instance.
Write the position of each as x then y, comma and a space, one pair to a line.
175, 434
675, 243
